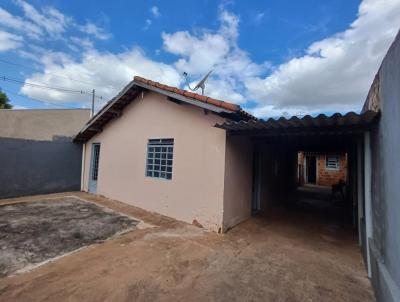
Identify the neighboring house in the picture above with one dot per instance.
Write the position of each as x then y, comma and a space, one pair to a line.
323, 169
37, 154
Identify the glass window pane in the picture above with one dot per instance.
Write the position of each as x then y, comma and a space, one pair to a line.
159, 158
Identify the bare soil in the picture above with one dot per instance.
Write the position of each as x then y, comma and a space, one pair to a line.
283, 256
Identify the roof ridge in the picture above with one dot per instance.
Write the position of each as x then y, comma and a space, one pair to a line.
198, 97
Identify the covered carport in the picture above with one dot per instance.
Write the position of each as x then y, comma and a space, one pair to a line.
276, 143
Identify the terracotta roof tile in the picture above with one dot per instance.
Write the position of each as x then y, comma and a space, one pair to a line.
201, 98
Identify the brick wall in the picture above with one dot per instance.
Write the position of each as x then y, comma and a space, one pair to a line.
328, 177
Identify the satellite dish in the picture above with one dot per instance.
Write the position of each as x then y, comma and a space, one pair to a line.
201, 84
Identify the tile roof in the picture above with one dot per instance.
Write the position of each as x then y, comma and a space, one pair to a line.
113, 107
198, 97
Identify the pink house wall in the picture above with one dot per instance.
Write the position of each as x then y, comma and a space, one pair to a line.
196, 191
238, 180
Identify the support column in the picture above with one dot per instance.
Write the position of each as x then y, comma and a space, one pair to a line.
367, 196
360, 191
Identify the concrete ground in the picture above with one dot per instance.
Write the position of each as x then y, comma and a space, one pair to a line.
33, 232
280, 256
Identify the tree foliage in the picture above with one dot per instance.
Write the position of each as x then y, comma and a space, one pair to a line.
4, 101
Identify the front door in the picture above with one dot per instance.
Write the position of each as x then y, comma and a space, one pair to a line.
311, 169
94, 168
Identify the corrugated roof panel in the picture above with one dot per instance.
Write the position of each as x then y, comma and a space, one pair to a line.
321, 121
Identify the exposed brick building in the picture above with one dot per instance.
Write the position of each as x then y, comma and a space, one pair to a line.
321, 169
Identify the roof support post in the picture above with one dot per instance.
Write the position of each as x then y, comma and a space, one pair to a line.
360, 189
368, 196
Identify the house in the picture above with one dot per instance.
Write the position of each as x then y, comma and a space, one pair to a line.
198, 159
322, 169
37, 153
208, 162
156, 147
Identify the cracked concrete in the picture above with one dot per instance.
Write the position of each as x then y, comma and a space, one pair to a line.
34, 232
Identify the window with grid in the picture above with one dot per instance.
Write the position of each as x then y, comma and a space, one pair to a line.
332, 162
159, 158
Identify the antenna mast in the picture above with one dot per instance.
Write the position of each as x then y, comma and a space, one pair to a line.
201, 84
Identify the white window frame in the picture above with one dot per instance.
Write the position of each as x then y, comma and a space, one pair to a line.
159, 161
328, 165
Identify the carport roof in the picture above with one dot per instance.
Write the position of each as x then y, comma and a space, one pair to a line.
335, 124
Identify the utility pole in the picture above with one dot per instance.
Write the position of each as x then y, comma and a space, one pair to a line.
93, 96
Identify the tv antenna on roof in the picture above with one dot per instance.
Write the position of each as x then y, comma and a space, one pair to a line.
201, 84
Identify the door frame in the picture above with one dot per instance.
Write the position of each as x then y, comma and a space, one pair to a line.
92, 183
306, 174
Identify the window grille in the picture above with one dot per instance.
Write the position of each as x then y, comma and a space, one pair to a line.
160, 158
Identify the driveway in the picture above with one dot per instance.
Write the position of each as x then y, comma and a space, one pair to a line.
283, 256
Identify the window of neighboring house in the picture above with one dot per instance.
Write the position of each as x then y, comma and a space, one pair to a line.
159, 158
332, 162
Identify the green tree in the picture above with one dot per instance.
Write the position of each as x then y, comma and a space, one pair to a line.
4, 101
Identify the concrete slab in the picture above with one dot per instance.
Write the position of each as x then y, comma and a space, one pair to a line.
34, 232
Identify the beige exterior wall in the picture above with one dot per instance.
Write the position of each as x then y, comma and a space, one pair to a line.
238, 180
196, 191
42, 124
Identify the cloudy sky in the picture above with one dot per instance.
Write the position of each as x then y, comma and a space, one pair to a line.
276, 57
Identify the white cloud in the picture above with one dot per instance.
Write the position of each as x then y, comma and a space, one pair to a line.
155, 11
50, 19
335, 72
147, 24
9, 41
92, 29
94, 68
259, 17
19, 24
81, 43
217, 51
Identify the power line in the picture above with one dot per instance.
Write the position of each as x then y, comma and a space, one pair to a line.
5, 78
56, 75
37, 100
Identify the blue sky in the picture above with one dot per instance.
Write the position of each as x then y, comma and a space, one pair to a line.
272, 57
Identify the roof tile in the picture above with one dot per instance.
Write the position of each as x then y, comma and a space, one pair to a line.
201, 98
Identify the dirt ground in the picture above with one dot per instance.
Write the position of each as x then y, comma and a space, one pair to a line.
33, 232
283, 256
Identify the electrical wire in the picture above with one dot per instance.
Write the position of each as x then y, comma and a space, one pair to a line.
8, 79
37, 100
56, 75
